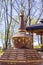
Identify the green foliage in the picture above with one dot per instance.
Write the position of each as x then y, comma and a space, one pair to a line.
1, 52
33, 20
37, 47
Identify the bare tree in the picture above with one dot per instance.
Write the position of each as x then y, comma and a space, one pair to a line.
8, 24
14, 6
29, 12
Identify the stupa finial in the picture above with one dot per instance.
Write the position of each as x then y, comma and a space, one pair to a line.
22, 23
22, 13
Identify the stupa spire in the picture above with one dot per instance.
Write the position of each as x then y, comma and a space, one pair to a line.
22, 23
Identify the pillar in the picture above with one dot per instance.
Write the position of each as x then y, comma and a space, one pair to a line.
41, 40
32, 40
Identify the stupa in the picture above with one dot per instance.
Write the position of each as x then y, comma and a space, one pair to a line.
22, 53
22, 40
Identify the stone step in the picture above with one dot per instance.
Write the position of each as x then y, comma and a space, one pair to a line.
21, 54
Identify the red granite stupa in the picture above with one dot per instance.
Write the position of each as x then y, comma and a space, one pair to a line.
21, 39
22, 53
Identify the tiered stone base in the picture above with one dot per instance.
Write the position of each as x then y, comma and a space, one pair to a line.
20, 57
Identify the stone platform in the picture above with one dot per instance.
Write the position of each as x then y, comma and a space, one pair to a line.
20, 57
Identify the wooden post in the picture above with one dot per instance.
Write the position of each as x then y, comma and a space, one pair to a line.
32, 39
31, 33
41, 38
41, 41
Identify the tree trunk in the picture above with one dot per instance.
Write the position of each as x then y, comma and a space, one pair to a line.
29, 12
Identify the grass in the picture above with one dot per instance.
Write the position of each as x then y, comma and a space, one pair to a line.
37, 47
1, 52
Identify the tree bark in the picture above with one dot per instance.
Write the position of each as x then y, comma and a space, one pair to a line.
29, 12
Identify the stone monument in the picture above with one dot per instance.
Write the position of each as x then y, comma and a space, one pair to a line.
22, 53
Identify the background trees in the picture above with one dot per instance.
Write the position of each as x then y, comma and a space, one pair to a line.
9, 16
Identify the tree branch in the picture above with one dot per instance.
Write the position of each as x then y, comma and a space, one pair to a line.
39, 17
17, 3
